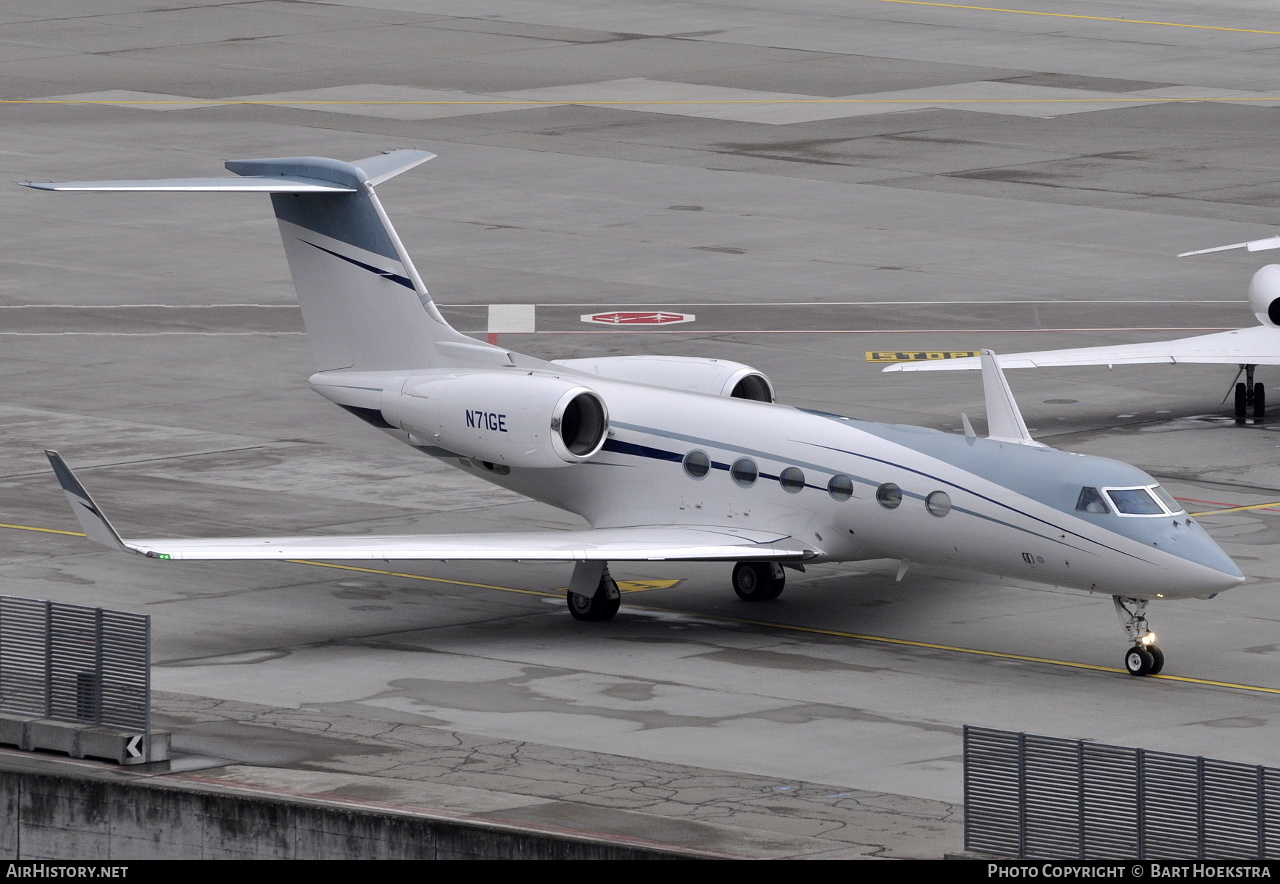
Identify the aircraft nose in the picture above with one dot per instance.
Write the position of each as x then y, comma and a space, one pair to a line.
1217, 573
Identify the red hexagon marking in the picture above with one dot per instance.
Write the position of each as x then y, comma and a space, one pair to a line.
637, 317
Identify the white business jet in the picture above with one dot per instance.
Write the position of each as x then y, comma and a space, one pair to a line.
674, 459
1246, 347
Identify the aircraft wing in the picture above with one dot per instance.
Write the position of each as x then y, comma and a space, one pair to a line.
1259, 345
630, 544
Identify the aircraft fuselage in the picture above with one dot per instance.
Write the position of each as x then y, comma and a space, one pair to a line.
853, 489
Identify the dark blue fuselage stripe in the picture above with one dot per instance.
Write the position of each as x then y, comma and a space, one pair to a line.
385, 274
619, 447
673, 457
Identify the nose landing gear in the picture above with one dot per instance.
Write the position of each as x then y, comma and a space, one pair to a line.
1250, 396
1144, 658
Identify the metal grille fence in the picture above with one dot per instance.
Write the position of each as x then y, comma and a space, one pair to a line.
71, 663
1034, 797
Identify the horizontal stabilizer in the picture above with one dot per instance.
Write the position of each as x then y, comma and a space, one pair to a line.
282, 175
633, 544
261, 184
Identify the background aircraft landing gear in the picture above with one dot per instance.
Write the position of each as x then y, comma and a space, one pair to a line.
758, 581
1144, 658
1250, 397
603, 600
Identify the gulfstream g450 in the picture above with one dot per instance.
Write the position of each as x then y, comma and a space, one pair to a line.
674, 459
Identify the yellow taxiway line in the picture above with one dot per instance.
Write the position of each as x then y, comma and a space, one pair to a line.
1239, 509
42, 530
645, 585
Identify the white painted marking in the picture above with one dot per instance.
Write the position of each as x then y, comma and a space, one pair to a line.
511, 319
132, 746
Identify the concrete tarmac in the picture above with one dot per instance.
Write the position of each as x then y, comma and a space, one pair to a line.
812, 184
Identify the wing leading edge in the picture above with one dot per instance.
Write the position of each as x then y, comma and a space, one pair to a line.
638, 543
1259, 345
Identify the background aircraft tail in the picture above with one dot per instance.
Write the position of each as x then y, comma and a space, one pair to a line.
363, 303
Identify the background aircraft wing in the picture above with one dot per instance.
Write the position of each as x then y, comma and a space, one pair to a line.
1259, 345
631, 544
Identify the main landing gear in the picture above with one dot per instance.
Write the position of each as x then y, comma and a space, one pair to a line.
1250, 397
758, 581
1144, 658
593, 594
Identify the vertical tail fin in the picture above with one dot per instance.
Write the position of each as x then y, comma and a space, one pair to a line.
363, 303
1004, 420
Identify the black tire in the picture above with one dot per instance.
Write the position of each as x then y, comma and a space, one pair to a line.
583, 607
753, 581
779, 583
611, 605
1259, 402
1138, 660
1242, 402
1157, 660
601, 606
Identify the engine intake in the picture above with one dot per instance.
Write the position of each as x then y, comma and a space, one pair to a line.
1264, 295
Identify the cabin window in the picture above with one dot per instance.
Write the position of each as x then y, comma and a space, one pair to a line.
938, 503
697, 464
1091, 501
889, 496
1134, 502
840, 487
744, 471
792, 480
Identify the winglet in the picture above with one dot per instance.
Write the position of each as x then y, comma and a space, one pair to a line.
1004, 420
95, 524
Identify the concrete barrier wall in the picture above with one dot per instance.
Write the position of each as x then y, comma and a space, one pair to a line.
58, 817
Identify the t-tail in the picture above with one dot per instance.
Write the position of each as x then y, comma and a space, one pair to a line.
364, 306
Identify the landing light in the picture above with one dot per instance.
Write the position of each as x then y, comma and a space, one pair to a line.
1148, 639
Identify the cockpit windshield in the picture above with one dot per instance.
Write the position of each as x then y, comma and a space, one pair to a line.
1135, 502
1167, 499
1147, 500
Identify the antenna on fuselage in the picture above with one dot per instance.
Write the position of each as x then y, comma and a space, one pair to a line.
1004, 420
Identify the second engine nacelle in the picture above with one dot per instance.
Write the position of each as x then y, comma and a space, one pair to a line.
1264, 295
714, 376
503, 417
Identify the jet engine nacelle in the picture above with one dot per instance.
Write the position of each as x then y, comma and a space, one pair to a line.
714, 376
503, 417
1264, 295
